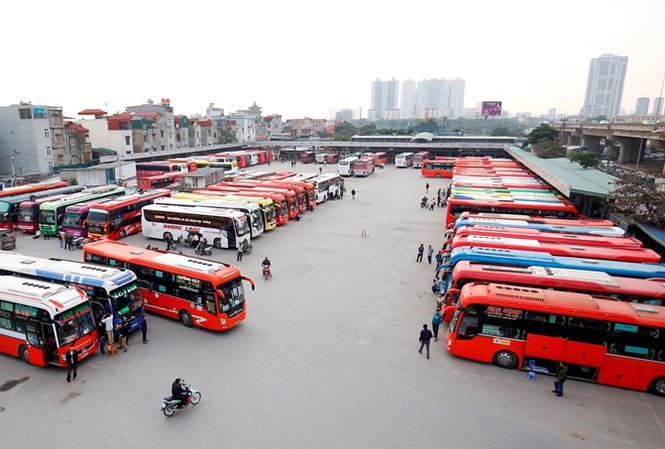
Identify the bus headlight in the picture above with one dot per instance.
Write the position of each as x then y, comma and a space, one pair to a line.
223, 321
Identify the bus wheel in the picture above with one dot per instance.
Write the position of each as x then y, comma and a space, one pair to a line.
25, 355
217, 243
505, 359
123, 234
438, 175
186, 318
657, 386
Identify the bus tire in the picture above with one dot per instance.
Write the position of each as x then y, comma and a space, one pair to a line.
657, 386
24, 354
217, 243
123, 234
186, 318
438, 175
505, 359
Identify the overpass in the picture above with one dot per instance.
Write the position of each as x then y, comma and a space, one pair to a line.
631, 138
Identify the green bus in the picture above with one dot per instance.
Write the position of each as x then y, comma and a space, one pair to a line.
51, 213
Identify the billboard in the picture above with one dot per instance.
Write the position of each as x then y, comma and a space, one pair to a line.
489, 108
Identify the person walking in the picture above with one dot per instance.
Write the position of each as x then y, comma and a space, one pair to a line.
239, 256
72, 359
144, 330
169, 242
320, 170
427, 187
124, 333
561, 376
107, 319
425, 337
430, 252
421, 250
353, 194
437, 319
432, 204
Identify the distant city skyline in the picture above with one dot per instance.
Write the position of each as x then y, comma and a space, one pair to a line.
300, 66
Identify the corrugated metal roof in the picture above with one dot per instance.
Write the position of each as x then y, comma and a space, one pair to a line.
566, 176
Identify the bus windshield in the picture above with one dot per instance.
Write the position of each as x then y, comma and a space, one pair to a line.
47, 216
72, 220
126, 299
233, 295
74, 323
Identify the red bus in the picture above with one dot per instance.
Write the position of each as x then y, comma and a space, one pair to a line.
309, 188
279, 200
456, 206
332, 158
554, 237
120, 217
609, 342
29, 188
419, 157
302, 198
42, 320
438, 168
163, 181
628, 254
191, 165
198, 292
363, 166
307, 157
145, 169
28, 212
290, 204
534, 219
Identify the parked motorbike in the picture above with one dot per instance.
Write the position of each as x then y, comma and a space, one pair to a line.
170, 406
246, 247
206, 251
424, 203
78, 242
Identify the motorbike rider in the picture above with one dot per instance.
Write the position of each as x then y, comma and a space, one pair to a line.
202, 245
179, 391
424, 202
266, 264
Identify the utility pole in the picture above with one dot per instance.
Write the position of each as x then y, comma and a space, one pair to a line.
360, 120
13, 168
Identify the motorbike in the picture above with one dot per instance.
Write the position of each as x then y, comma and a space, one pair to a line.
78, 242
170, 406
246, 247
424, 204
266, 272
206, 251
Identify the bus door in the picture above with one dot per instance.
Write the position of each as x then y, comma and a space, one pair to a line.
33, 336
50, 350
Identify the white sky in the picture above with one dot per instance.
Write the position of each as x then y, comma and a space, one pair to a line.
305, 58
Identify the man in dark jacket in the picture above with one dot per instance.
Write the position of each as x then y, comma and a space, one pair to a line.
72, 358
561, 376
179, 392
425, 337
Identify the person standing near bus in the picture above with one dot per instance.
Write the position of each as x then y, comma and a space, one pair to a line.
107, 319
425, 337
430, 252
427, 187
72, 358
421, 250
437, 319
124, 333
561, 376
239, 257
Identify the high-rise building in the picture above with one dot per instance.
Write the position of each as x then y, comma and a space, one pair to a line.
408, 101
605, 86
454, 98
657, 106
384, 98
642, 106
437, 98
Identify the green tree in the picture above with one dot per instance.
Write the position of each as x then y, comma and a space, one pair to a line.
585, 158
227, 137
640, 198
543, 131
501, 131
547, 149
344, 131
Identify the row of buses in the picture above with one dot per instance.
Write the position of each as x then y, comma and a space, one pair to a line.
526, 287
363, 165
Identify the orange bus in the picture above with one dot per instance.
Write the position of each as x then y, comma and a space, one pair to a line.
302, 198
42, 320
609, 342
290, 203
438, 168
381, 158
29, 188
456, 206
120, 217
363, 166
279, 200
198, 292
162, 181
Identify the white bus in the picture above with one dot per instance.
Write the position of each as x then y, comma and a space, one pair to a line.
221, 227
329, 186
404, 160
345, 166
251, 210
321, 158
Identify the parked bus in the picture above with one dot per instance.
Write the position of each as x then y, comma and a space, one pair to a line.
419, 157
10, 205
223, 228
164, 181
120, 217
363, 166
545, 225
345, 166
562, 209
145, 169
627, 254
191, 165
41, 321
438, 168
608, 342
529, 218
554, 237
404, 160
266, 205
288, 190
279, 200
110, 290
329, 185
287, 199
251, 210
74, 222
52, 213
197, 292
332, 158
28, 213
31, 188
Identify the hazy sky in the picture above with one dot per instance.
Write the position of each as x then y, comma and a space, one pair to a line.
306, 58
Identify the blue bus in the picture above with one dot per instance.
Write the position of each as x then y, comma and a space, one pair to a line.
606, 231
516, 258
109, 289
